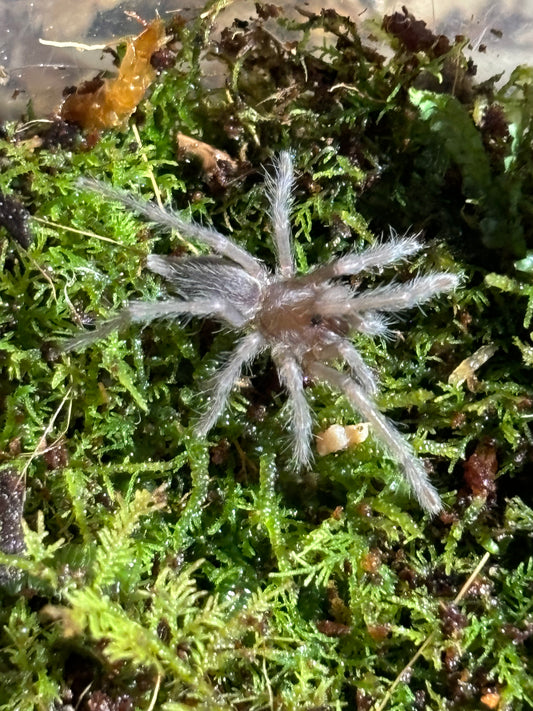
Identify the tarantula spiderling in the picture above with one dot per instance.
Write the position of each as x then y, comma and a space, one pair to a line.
304, 320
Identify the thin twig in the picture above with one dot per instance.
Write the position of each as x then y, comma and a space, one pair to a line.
460, 595
85, 233
74, 45
45, 275
157, 684
39, 449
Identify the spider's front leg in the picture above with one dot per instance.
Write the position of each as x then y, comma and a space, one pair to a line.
381, 254
397, 297
396, 445
279, 190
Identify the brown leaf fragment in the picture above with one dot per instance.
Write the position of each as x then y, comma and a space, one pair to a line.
453, 621
491, 699
218, 166
480, 471
333, 629
378, 632
414, 34
107, 103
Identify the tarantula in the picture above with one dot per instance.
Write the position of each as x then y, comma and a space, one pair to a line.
304, 320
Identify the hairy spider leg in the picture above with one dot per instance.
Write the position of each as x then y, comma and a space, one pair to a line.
291, 376
413, 469
396, 297
210, 277
359, 369
222, 383
373, 323
279, 190
145, 312
379, 255
103, 330
153, 213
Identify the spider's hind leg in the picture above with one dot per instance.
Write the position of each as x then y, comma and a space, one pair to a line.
222, 383
413, 469
359, 369
301, 421
144, 312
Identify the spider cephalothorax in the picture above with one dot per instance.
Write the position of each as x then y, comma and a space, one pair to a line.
304, 321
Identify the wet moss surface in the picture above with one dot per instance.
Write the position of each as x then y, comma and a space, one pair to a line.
144, 568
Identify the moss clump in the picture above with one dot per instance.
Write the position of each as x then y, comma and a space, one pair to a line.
157, 569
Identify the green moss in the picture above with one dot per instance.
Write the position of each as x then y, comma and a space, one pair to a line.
161, 568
